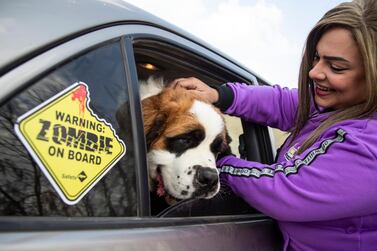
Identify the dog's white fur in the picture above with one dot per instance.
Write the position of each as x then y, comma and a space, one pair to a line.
150, 87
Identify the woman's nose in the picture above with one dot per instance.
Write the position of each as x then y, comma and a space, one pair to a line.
317, 72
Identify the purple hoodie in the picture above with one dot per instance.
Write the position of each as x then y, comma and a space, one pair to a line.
324, 198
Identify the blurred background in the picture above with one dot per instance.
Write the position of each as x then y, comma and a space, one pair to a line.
266, 36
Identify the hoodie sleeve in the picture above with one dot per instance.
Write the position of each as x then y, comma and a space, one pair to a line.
265, 105
334, 179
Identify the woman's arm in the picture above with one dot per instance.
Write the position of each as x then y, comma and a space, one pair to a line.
271, 106
335, 178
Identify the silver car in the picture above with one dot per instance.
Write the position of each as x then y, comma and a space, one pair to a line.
78, 181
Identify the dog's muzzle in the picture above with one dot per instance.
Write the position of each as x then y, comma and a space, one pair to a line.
206, 180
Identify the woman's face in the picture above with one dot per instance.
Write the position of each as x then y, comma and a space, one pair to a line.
338, 71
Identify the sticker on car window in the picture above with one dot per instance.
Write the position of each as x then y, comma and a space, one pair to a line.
71, 144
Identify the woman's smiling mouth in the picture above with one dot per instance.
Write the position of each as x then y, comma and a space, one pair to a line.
322, 91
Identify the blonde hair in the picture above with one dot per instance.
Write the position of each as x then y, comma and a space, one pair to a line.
360, 18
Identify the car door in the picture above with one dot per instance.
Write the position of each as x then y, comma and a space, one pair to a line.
80, 182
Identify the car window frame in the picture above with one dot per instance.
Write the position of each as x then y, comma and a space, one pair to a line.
257, 138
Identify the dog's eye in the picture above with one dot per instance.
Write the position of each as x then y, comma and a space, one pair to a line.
180, 143
189, 138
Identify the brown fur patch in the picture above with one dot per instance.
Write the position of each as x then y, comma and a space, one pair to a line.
167, 115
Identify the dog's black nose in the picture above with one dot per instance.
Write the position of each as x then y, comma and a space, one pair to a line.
207, 177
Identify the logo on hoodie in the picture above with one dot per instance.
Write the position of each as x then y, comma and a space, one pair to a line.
291, 152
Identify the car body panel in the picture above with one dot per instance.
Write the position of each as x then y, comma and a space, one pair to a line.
222, 236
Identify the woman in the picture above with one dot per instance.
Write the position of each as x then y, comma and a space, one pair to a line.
323, 188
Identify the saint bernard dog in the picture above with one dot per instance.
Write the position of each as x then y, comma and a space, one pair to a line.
184, 135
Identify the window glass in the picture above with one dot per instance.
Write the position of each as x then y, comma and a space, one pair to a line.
24, 188
280, 137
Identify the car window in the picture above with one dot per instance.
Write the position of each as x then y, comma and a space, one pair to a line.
168, 61
86, 167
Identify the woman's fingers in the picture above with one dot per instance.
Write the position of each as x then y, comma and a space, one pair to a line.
198, 87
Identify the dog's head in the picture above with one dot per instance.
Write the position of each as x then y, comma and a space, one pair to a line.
184, 135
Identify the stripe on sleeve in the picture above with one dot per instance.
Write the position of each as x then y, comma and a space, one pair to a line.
287, 170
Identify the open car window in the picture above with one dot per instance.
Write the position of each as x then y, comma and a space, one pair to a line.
168, 61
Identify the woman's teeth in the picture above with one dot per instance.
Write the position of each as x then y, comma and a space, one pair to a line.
323, 88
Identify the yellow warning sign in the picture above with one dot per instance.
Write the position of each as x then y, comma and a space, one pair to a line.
71, 144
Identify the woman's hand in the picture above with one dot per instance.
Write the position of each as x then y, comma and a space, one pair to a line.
199, 88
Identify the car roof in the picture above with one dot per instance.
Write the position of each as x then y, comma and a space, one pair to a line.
28, 25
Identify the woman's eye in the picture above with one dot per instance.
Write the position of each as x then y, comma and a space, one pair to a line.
337, 69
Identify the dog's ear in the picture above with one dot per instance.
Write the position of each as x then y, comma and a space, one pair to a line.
225, 147
154, 119
155, 130
226, 150
228, 138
